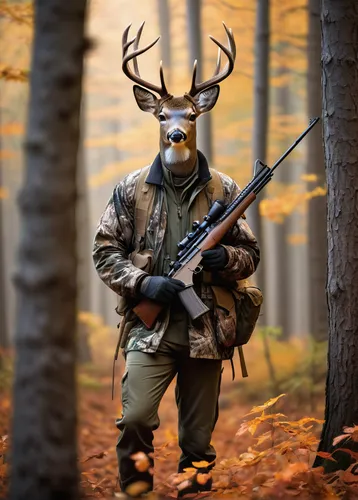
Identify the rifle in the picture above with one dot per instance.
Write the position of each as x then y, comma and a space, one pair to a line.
207, 235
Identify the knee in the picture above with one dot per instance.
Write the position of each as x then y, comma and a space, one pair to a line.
134, 418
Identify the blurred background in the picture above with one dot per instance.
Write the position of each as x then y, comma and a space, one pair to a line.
287, 353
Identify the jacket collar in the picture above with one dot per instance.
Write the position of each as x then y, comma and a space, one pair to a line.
156, 176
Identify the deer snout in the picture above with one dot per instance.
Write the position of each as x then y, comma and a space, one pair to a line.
176, 136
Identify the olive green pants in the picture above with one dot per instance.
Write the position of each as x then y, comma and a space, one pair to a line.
146, 378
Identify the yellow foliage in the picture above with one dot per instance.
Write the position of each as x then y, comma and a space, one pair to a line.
266, 405
19, 12
292, 199
297, 239
309, 177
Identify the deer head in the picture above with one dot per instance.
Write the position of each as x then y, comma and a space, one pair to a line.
176, 115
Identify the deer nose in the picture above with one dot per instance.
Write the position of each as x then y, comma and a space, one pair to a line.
176, 136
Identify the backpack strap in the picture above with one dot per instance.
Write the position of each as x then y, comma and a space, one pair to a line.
212, 191
144, 198
215, 186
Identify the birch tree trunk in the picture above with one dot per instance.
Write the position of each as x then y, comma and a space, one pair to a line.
44, 464
261, 102
340, 127
317, 232
193, 9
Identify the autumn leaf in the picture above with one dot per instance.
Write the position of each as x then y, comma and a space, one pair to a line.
137, 488
266, 405
349, 433
325, 455
291, 470
202, 464
203, 478
101, 454
141, 461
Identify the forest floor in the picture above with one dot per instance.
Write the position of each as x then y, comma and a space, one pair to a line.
264, 453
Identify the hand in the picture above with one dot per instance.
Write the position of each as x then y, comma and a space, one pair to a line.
215, 259
161, 289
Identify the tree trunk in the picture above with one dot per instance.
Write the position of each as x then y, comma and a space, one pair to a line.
283, 278
193, 9
261, 103
164, 26
44, 464
83, 250
4, 338
340, 125
317, 233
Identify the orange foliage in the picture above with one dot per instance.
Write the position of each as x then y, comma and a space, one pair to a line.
13, 128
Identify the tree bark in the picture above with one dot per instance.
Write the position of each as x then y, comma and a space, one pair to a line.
340, 127
204, 129
317, 232
4, 338
261, 103
44, 464
83, 250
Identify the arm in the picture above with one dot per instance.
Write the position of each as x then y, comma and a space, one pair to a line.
240, 244
113, 242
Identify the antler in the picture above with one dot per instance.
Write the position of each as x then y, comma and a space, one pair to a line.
218, 76
135, 77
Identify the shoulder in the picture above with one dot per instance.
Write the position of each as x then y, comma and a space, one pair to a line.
230, 188
126, 188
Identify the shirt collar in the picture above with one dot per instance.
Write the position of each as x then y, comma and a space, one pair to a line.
155, 175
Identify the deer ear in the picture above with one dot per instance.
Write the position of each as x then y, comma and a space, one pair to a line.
206, 100
145, 99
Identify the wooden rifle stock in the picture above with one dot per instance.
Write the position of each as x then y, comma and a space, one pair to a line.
148, 310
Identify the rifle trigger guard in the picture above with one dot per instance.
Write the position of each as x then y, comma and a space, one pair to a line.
198, 269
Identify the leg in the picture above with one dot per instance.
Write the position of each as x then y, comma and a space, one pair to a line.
144, 383
197, 393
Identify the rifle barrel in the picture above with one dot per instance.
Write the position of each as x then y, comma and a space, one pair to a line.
313, 122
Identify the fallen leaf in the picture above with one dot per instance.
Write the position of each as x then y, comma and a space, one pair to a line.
137, 488
101, 454
141, 461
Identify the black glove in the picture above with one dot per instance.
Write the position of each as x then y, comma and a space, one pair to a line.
161, 289
215, 259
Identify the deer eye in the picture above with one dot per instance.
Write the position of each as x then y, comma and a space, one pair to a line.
192, 117
161, 117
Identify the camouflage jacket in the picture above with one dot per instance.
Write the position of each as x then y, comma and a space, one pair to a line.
114, 241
